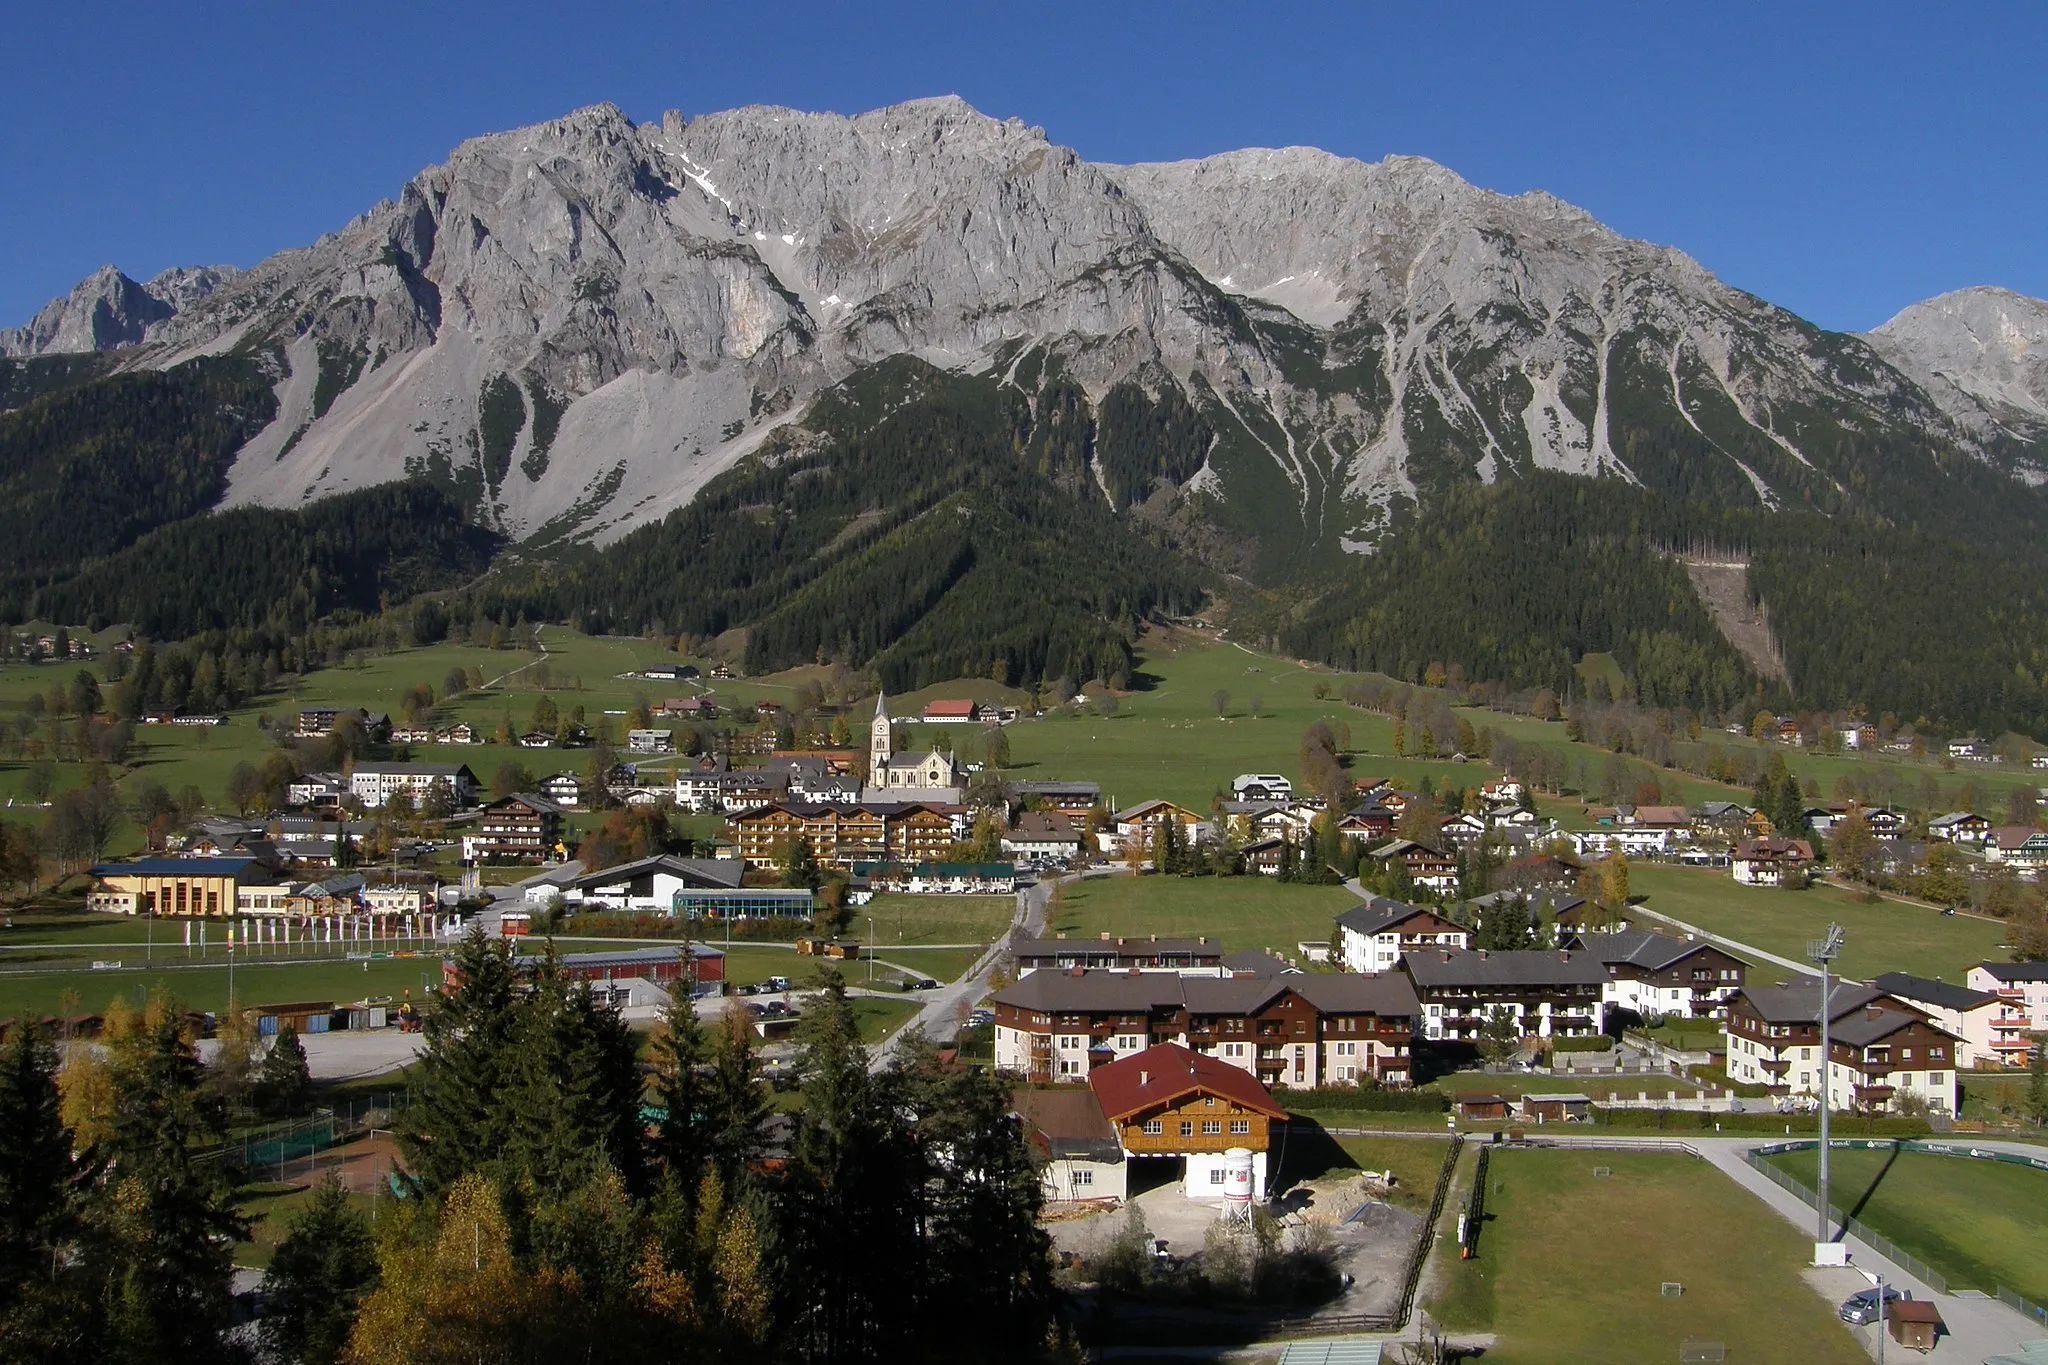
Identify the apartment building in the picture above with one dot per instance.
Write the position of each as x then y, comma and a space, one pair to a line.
1547, 994
1295, 1032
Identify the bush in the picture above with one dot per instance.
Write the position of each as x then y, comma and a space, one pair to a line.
1370, 1099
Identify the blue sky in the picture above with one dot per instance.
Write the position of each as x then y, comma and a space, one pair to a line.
1841, 160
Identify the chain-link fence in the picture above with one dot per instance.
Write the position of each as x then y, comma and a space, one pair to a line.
1855, 1227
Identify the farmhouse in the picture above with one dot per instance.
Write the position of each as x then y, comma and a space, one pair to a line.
1168, 1102
952, 712
1426, 866
2019, 846
1080, 1157
523, 827
1138, 826
1772, 861
1043, 836
1372, 937
1068, 798
650, 741
1959, 827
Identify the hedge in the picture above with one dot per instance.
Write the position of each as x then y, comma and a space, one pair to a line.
617, 924
1599, 1042
1695, 1120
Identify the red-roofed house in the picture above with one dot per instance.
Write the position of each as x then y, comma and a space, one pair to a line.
951, 712
1168, 1102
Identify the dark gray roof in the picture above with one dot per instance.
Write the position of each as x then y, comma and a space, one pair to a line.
1799, 1002
1259, 962
1070, 1122
1117, 948
1644, 948
710, 872
2017, 971
1909, 987
1863, 1028
1379, 914
1103, 991
1480, 968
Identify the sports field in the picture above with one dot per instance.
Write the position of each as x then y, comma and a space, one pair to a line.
1237, 912
1981, 1223
907, 919
1882, 937
1571, 1266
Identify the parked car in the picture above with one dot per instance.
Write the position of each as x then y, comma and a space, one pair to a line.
776, 983
923, 983
1859, 1309
979, 1017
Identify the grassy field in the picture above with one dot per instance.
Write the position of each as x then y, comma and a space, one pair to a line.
1570, 1266
206, 988
1882, 937
907, 919
1312, 1154
1981, 1223
940, 964
880, 1018
1237, 912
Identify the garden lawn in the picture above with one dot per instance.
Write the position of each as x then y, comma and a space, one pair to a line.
1981, 1223
1236, 912
912, 920
878, 1018
1884, 937
1570, 1266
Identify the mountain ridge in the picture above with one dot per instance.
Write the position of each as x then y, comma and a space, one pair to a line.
649, 300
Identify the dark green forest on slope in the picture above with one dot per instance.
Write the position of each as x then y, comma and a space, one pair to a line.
907, 527
88, 464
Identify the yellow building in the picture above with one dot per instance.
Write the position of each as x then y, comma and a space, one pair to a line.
190, 887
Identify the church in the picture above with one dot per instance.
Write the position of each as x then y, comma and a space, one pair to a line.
933, 776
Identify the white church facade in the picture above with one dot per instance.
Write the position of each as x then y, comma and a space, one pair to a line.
933, 776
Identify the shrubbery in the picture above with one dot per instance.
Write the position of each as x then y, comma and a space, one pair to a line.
1370, 1099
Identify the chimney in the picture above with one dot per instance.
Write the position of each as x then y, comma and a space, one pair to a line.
1873, 1011
1447, 954
1061, 934
1482, 955
1203, 940
1155, 938
1077, 971
1144, 1079
1105, 936
1564, 955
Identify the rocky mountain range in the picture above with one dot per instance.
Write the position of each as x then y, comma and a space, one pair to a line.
578, 324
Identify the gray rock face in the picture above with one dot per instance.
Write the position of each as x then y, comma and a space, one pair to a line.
645, 302
107, 310
1982, 354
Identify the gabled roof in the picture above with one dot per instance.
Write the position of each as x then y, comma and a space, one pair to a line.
1379, 914
1956, 817
1162, 1074
1643, 948
1068, 1123
1751, 849
1864, 1028
1144, 808
1799, 1002
702, 872
1909, 987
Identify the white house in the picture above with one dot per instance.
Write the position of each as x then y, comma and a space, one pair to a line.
2022, 991
1971, 1015
1261, 787
1371, 937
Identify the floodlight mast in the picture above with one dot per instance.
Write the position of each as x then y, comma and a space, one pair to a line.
1825, 951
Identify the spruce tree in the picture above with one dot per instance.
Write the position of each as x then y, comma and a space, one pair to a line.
681, 1053
570, 1105
456, 1122
164, 1249
38, 1174
284, 1080
321, 1270
734, 1104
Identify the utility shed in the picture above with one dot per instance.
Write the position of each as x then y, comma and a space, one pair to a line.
1915, 1323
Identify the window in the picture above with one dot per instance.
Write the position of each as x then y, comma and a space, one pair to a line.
1240, 1127
1216, 1176
1212, 1127
1937, 1078
1187, 1127
1153, 1127
1084, 1177
1347, 1049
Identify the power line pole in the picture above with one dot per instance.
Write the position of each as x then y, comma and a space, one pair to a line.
1825, 951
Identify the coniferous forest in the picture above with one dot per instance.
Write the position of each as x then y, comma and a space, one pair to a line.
554, 1197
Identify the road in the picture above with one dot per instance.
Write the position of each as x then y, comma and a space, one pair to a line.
948, 1005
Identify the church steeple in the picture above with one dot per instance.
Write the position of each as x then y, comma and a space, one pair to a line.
881, 744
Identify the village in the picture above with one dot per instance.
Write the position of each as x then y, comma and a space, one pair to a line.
1211, 1012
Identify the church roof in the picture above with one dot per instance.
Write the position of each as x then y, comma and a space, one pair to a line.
881, 706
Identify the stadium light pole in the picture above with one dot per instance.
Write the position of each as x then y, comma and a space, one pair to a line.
1824, 951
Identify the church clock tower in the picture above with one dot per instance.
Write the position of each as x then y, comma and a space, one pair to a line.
881, 746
